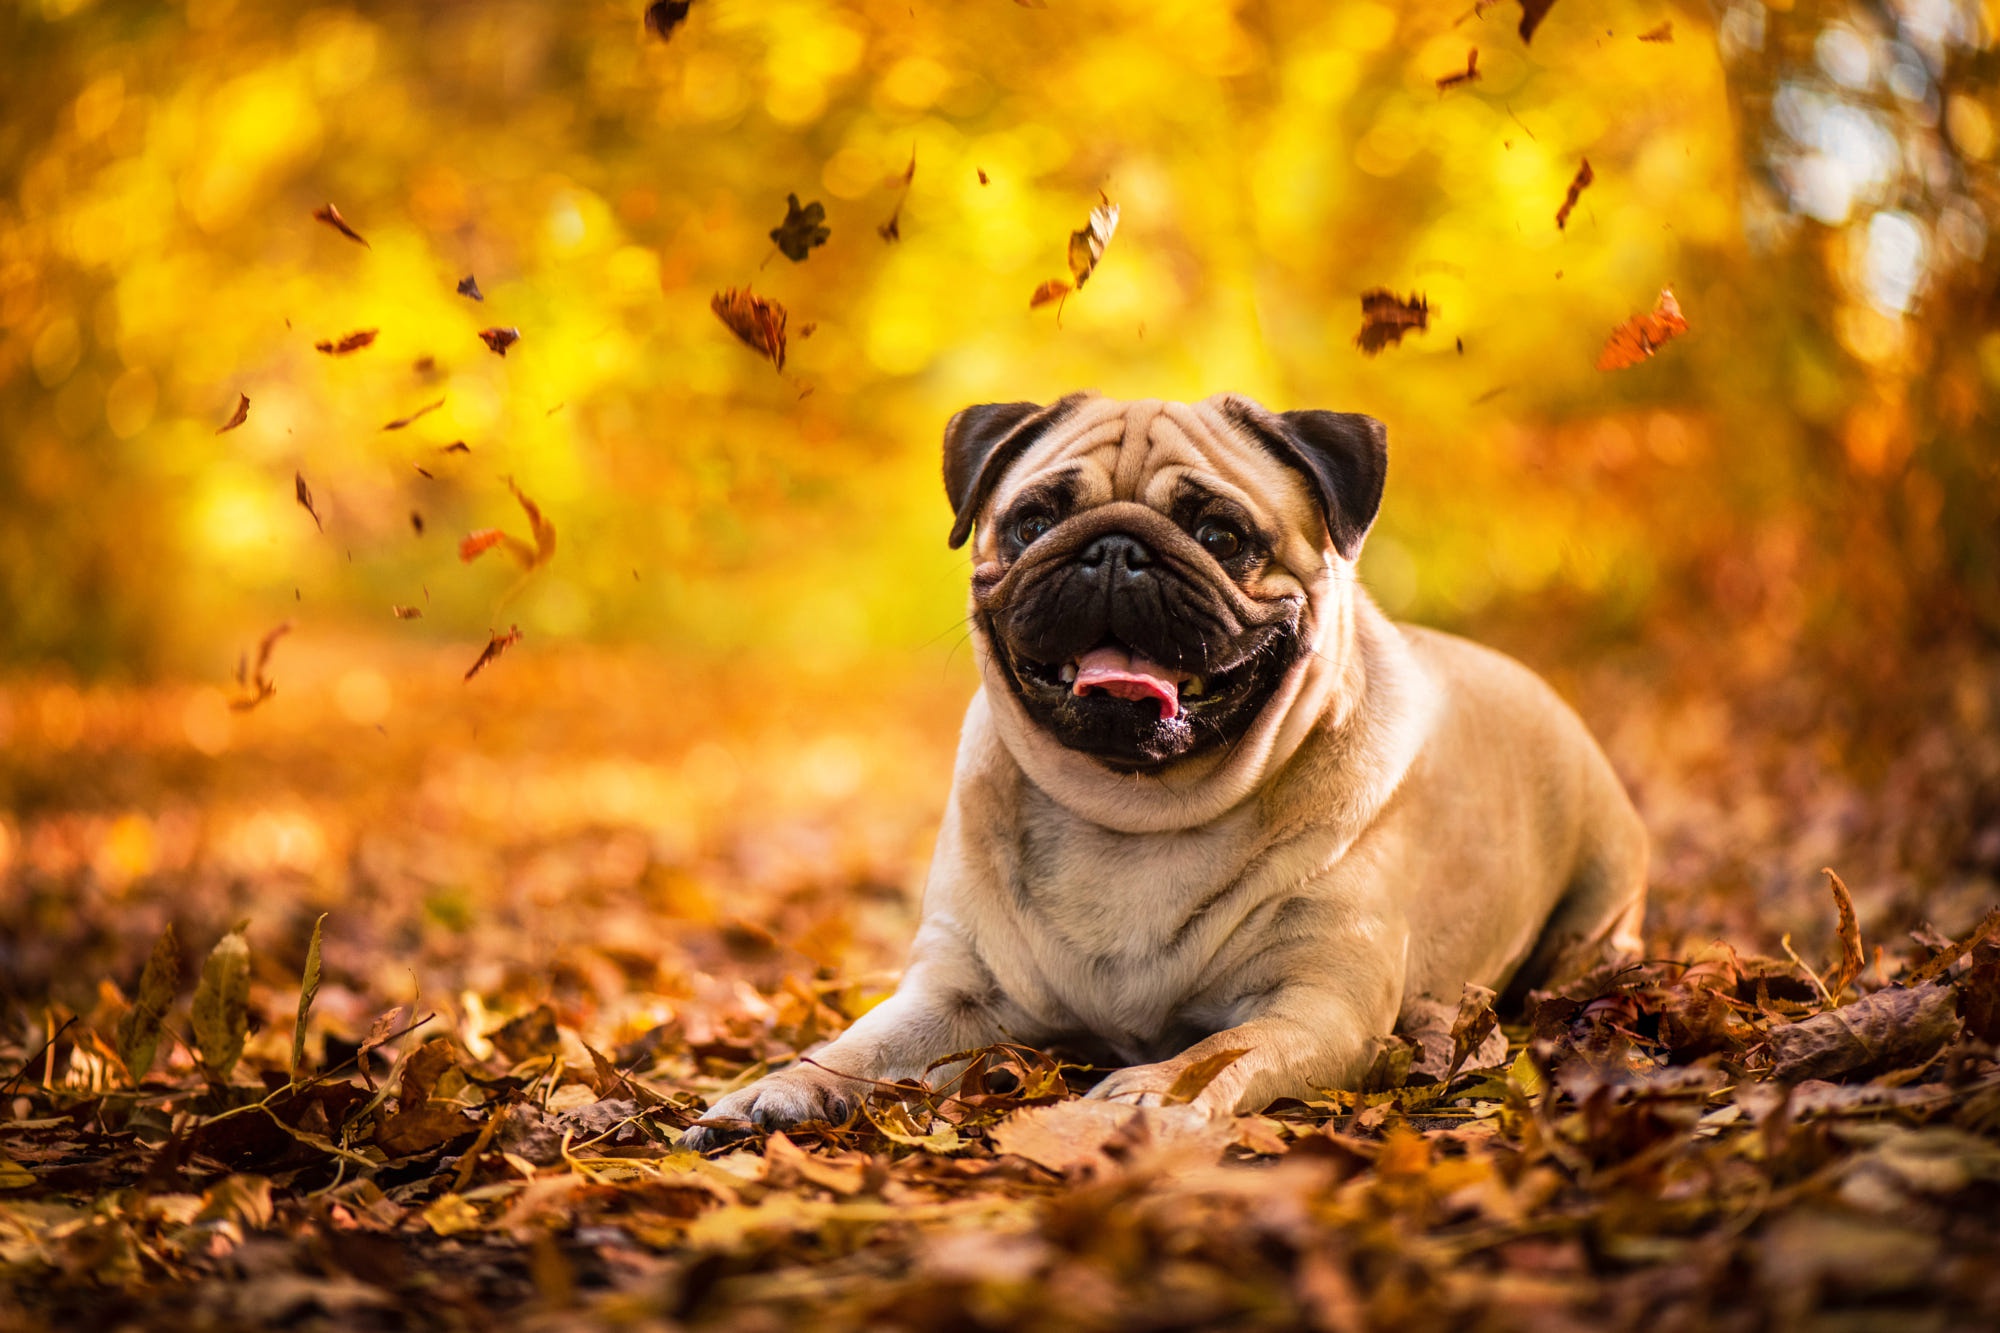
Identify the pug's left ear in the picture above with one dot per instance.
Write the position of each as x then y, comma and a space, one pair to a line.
980, 442
1344, 455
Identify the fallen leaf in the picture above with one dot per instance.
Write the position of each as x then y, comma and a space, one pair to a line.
758, 322
1192, 1080
303, 494
1578, 183
528, 1036
1988, 927
496, 644
1852, 959
1467, 75
239, 416
222, 1005
1663, 33
1532, 14
450, 1214
423, 411
1897, 1026
1086, 243
499, 340
308, 991
1055, 289
1385, 318
352, 342
803, 230
407, 612
1642, 335
1067, 1137
330, 215
469, 286
139, 1030
663, 16
1473, 1030
256, 681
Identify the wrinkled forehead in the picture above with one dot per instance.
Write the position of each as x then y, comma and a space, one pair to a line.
1142, 451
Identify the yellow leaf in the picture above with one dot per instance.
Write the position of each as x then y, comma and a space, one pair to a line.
451, 1214
222, 1004
308, 990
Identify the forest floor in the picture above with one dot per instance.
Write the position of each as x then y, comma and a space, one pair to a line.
573, 900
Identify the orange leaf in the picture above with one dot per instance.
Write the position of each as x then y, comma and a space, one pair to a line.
1642, 335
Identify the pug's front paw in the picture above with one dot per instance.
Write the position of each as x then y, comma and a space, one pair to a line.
778, 1101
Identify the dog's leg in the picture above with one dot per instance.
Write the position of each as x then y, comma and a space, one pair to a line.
947, 1003
1598, 919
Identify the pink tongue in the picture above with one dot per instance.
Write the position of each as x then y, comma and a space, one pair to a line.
1123, 676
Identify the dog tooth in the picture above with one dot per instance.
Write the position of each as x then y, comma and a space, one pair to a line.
1196, 687
1068, 673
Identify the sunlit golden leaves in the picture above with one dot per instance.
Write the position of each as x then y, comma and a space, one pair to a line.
758, 321
1466, 75
1386, 317
1086, 243
496, 644
1642, 335
303, 494
238, 417
663, 16
469, 286
351, 342
804, 228
253, 683
1532, 14
330, 215
498, 340
1664, 33
1577, 185
421, 412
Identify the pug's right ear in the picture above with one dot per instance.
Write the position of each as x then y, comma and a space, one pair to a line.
979, 444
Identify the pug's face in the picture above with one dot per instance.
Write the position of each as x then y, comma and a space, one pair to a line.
1143, 573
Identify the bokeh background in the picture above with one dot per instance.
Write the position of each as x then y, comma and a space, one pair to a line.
1765, 563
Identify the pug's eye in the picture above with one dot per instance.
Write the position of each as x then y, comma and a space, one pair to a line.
1032, 526
1219, 539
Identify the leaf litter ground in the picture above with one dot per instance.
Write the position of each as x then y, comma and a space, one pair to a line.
558, 922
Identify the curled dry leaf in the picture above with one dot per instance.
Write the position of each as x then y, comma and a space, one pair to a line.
1663, 33
1532, 14
1851, 956
1055, 289
528, 557
1386, 317
498, 340
757, 321
257, 681
222, 1005
469, 286
803, 230
303, 494
1467, 75
1086, 243
420, 413
1642, 335
351, 342
239, 416
330, 215
496, 644
1577, 185
1897, 1026
663, 16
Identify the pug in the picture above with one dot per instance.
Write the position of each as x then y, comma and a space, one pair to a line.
1208, 798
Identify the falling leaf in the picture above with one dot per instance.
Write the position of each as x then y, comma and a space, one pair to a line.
139, 1030
303, 493
1195, 1078
1532, 14
222, 1005
257, 681
499, 340
1385, 318
1663, 33
759, 322
528, 557
1086, 244
476, 544
308, 991
1642, 335
802, 230
807, 329
1055, 289
892, 230
239, 416
424, 472
469, 286
1468, 75
407, 612
423, 411
352, 342
417, 522
496, 644
543, 531
1581, 181
663, 16
424, 365
456, 447
331, 217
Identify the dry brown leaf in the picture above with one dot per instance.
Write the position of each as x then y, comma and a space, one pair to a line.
350, 342
469, 286
892, 230
1386, 317
758, 322
803, 230
1055, 289
1532, 14
1852, 959
257, 681
421, 412
1663, 33
1467, 75
1577, 185
496, 644
1893, 1027
1642, 335
1086, 243
330, 215
303, 494
139, 1029
239, 416
498, 340
407, 612
663, 16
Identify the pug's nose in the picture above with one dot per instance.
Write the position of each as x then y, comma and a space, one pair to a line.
1113, 551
